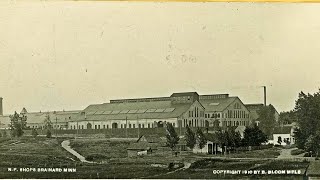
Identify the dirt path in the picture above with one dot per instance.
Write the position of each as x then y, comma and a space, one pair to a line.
66, 145
286, 153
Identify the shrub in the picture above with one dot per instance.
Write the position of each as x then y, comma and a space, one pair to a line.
34, 133
297, 151
4, 134
94, 157
49, 135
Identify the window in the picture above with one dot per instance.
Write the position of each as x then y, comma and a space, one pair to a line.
104, 126
95, 126
134, 126
129, 125
173, 124
107, 126
189, 114
148, 125
121, 126
82, 127
98, 126
142, 125
74, 126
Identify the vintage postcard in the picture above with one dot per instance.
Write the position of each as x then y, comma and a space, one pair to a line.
159, 90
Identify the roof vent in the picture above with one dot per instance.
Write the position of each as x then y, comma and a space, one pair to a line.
214, 104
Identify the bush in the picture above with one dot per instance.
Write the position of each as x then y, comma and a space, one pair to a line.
297, 151
34, 133
4, 134
49, 135
94, 157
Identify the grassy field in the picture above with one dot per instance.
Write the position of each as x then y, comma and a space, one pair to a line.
100, 150
45, 153
203, 169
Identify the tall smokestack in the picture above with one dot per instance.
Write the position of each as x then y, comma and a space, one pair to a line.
265, 95
1, 108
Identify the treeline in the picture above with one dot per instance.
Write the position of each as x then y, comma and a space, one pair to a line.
307, 112
229, 138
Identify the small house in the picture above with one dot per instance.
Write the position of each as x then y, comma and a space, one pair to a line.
141, 148
284, 135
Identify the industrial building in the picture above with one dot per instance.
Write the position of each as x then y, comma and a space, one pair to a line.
179, 109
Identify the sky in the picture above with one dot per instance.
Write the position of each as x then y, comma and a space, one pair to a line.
66, 55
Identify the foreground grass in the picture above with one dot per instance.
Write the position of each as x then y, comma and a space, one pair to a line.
47, 153
203, 169
42, 152
100, 150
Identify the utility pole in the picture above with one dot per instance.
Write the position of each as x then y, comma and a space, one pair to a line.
126, 127
77, 130
138, 127
56, 126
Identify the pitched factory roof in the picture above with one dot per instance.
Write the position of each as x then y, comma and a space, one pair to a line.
218, 104
254, 109
135, 110
55, 116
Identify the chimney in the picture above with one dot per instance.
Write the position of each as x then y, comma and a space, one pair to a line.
265, 95
1, 108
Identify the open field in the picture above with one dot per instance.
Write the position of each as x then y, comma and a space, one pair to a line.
47, 153
28, 152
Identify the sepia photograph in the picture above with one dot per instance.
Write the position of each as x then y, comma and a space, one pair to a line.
159, 90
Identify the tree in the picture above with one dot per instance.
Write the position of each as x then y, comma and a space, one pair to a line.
287, 117
48, 134
4, 134
172, 136
201, 140
300, 138
267, 119
253, 136
17, 124
233, 138
34, 133
48, 126
307, 110
313, 144
190, 138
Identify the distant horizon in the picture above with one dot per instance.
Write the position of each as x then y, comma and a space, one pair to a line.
67, 110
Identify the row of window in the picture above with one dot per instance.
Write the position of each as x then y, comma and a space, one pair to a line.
237, 114
214, 115
235, 123
193, 123
121, 126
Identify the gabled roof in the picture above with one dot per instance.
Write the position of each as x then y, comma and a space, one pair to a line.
55, 116
211, 137
282, 130
254, 109
218, 104
150, 139
135, 110
142, 146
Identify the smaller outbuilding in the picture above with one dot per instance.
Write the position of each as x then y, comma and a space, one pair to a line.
284, 135
141, 148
